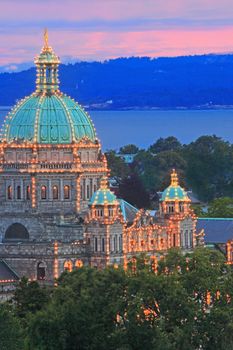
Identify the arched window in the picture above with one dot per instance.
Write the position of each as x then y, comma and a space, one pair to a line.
88, 191
55, 192
68, 266
9, 192
41, 271
28, 192
43, 192
16, 232
66, 192
18, 192
78, 264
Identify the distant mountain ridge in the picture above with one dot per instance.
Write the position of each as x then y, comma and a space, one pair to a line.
137, 82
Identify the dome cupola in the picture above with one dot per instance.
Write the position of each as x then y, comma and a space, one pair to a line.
47, 116
174, 198
103, 196
104, 205
174, 192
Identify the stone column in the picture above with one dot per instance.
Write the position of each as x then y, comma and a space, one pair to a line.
50, 194
61, 190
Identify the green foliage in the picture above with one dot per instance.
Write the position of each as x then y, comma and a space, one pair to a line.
199, 210
129, 149
221, 208
117, 166
29, 297
128, 310
205, 166
168, 144
133, 191
11, 334
210, 167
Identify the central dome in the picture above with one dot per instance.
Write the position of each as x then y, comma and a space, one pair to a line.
54, 118
48, 116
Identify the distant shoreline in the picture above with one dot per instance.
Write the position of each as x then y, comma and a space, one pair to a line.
195, 108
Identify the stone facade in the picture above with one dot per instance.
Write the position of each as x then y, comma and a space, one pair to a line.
56, 210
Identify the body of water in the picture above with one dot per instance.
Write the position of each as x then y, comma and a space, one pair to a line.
118, 128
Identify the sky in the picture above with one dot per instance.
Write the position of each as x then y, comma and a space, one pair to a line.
104, 29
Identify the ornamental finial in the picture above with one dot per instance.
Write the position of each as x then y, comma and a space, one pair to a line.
104, 183
174, 178
46, 39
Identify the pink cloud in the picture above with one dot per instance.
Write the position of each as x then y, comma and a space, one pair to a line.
100, 29
102, 45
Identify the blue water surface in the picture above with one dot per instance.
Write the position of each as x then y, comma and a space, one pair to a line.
117, 128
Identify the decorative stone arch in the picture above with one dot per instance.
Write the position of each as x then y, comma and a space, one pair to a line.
41, 271
16, 232
68, 266
78, 264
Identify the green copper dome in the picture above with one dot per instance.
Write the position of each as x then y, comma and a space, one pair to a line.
103, 195
48, 119
174, 192
47, 116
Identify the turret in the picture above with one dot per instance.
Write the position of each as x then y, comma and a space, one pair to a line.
104, 227
180, 219
174, 198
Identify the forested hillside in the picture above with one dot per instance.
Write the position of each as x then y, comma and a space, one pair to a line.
190, 82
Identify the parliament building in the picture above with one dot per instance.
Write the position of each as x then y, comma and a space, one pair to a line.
56, 209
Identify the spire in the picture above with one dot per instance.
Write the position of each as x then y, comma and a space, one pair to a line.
174, 178
47, 68
46, 39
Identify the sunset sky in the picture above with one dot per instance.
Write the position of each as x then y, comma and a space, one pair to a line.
102, 29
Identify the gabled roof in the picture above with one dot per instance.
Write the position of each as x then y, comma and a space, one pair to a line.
6, 273
128, 211
217, 230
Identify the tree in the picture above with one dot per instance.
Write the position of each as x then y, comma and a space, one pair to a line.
155, 170
168, 144
129, 149
11, 334
133, 191
210, 167
83, 312
221, 208
118, 310
29, 297
117, 166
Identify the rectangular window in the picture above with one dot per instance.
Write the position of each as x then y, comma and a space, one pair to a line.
95, 244
103, 245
